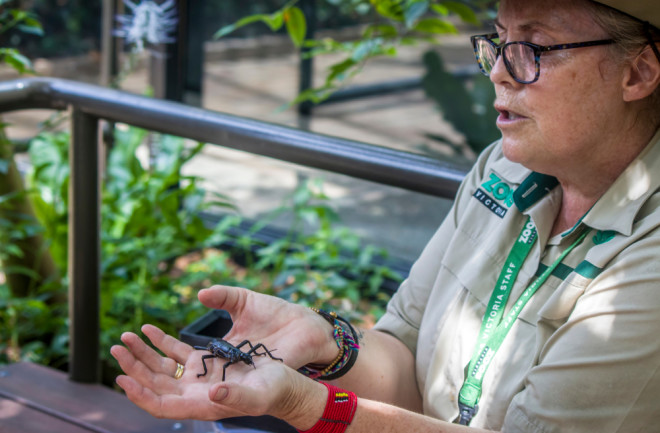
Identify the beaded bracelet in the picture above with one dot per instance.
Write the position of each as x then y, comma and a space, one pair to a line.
346, 339
338, 413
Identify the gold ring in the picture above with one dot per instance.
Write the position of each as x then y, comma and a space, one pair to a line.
179, 371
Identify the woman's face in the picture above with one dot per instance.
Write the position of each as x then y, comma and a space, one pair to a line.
570, 114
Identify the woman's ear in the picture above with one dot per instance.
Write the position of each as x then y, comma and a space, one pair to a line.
642, 76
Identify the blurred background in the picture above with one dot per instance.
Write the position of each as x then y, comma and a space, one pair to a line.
178, 215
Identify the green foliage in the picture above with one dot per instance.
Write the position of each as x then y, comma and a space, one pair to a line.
31, 327
16, 60
24, 21
150, 214
320, 263
31, 318
49, 154
157, 251
394, 23
289, 15
14, 227
296, 25
467, 106
70, 27
20, 22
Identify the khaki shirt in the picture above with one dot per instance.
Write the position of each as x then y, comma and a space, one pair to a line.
584, 354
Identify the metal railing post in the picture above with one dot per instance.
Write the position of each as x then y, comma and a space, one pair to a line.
306, 67
84, 248
109, 50
176, 69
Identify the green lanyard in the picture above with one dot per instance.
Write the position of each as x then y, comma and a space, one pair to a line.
495, 326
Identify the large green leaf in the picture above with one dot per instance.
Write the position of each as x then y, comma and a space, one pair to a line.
435, 26
274, 21
415, 10
296, 25
391, 9
32, 26
16, 60
380, 30
466, 13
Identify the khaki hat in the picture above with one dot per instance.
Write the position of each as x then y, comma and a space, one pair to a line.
644, 10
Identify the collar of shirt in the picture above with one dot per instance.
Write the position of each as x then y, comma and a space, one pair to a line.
616, 210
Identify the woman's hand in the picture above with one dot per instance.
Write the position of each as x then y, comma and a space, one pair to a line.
299, 335
267, 388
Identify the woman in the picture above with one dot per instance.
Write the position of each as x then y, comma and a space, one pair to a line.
536, 305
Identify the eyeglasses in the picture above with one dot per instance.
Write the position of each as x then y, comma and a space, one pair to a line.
521, 59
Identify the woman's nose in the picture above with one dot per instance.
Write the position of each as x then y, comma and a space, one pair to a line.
500, 74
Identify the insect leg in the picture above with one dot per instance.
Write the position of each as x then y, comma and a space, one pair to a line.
260, 345
243, 343
204, 358
224, 368
253, 349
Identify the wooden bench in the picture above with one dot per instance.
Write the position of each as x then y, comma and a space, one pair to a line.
35, 399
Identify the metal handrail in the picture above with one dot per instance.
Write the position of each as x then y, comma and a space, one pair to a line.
90, 103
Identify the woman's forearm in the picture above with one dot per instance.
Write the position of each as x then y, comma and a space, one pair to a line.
309, 400
384, 371
372, 416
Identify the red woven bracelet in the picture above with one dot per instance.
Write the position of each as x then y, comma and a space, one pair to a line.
338, 413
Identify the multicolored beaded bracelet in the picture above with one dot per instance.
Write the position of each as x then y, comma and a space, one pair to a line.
346, 338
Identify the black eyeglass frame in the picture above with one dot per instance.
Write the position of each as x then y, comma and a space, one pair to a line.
538, 50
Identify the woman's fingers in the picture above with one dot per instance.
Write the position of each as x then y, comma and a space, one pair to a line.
170, 346
160, 382
147, 355
228, 298
146, 366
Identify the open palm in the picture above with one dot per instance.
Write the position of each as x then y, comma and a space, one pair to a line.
149, 380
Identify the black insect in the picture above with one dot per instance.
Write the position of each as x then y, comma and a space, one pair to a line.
224, 349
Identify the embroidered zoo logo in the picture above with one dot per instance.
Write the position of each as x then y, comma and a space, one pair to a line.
529, 234
496, 195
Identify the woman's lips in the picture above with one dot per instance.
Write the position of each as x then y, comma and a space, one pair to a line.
508, 117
